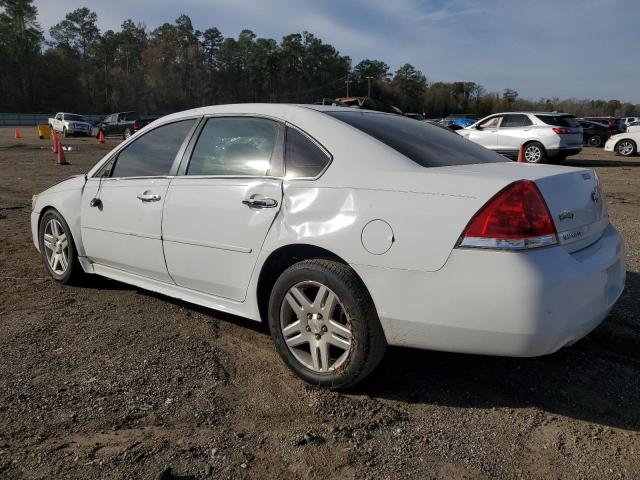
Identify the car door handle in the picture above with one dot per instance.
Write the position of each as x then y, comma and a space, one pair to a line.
258, 201
149, 196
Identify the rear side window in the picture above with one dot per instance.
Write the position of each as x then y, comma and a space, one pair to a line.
427, 145
303, 158
515, 120
559, 120
235, 146
153, 153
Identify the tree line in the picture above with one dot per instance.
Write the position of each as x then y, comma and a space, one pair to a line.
174, 67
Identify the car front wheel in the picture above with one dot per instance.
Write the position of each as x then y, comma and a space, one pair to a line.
324, 324
57, 248
626, 148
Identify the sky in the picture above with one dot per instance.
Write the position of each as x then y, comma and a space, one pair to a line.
541, 48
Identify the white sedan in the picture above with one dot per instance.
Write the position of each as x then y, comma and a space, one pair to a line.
346, 230
625, 144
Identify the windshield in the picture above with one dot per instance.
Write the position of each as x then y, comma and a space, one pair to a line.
426, 145
559, 120
73, 117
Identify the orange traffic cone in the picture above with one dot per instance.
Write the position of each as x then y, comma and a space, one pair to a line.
16, 133
520, 154
56, 141
61, 160
101, 137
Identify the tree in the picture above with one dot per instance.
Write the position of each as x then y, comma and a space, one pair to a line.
410, 84
20, 43
78, 32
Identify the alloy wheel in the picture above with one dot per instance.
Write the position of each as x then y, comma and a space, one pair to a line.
532, 154
56, 247
316, 327
625, 148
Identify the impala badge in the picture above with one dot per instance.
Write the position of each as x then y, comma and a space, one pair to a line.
565, 215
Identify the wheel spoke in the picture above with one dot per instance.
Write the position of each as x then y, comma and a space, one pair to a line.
48, 241
339, 330
295, 327
301, 299
323, 347
63, 240
297, 340
63, 261
315, 357
54, 262
338, 341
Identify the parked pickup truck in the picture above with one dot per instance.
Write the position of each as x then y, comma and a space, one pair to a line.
123, 124
70, 124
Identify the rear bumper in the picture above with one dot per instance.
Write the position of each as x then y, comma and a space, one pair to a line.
501, 303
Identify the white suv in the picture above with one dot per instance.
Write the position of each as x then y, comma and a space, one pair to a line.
543, 135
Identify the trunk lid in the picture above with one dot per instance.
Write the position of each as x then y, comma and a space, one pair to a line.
577, 206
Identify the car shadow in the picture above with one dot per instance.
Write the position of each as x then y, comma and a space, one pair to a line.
595, 380
600, 162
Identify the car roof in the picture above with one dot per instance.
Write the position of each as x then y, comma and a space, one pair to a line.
536, 113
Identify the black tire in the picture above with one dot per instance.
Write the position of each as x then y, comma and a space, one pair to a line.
626, 147
127, 133
594, 141
534, 152
73, 270
368, 343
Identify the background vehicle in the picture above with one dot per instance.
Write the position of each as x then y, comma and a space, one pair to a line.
609, 121
122, 124
634, 127
543, 135
70, 124
625, 144
594, 134
629, 120
460, 119
346, 230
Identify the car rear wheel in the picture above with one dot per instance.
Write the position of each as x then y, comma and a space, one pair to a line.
127, 133
324, 324
534, 153
594, 141
57, 248
626, 148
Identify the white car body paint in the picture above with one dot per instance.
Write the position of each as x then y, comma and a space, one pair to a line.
613, 140
61, 122
428, 293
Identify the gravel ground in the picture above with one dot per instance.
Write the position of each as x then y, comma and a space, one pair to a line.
104, 380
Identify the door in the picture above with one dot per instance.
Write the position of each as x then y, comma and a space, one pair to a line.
218, 213
121, 216
107, 125
515, 129
486, 133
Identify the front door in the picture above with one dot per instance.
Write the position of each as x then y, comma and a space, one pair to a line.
121, 215
486, 133
218, 213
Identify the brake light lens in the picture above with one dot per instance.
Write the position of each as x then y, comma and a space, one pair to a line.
562, 131
136, 126
516, 218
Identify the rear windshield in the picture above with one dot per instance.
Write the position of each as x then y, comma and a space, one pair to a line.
427, 145
559, 120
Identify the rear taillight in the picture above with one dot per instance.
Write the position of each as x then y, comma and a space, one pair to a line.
136, 126
562, 131
516, 218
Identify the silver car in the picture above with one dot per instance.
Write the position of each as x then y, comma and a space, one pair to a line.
544, 136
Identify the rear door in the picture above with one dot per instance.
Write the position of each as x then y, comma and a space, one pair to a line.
515, 130
221, 205
121, 216
486, 132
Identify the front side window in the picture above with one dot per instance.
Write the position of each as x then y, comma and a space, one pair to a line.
153, 153
235, 146
302, 157
492, 122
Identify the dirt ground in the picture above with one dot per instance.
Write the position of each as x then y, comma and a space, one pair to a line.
104, 380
